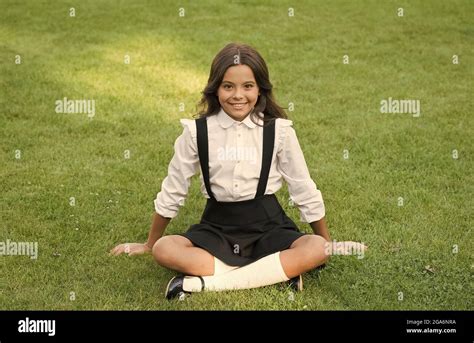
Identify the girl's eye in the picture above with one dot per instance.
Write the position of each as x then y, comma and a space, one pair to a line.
227, 86
249, 86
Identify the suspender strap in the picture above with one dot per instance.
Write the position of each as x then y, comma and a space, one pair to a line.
267, 154
268, 143
203, 151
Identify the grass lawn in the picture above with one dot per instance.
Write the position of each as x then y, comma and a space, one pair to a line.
420, 254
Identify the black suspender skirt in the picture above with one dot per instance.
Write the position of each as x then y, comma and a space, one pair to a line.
239, 233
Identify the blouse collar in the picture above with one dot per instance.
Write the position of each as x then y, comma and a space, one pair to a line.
227, 121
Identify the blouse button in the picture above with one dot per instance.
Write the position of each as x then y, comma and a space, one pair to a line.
236, 185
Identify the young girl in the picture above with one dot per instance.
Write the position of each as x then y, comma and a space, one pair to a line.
244, 147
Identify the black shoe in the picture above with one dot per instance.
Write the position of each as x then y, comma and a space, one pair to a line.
175, 287
296, 283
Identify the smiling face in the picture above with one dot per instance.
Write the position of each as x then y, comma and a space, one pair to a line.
238, 92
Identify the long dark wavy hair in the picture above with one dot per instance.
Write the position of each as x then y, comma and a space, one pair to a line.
233, 54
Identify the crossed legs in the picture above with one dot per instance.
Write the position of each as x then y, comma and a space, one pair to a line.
178, 253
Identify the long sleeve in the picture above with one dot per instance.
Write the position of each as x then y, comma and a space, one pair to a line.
183, 165
292, 166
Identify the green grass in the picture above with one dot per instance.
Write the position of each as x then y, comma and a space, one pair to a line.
336, 108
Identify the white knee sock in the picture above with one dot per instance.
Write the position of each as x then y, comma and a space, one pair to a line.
266, 271
193, 284
221, 268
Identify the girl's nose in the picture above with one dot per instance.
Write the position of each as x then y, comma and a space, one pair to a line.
237, 94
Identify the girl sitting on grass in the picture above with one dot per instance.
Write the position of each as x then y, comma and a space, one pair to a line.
244, 147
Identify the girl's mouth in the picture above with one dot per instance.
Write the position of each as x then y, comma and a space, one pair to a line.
238, 106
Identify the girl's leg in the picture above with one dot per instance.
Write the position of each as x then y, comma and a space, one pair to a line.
178, 253
305, 254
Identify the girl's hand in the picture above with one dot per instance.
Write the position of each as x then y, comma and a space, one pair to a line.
130, 249
347, 248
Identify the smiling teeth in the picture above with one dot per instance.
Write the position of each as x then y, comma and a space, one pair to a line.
238, 106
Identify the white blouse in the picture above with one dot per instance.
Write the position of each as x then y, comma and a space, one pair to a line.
235, 158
